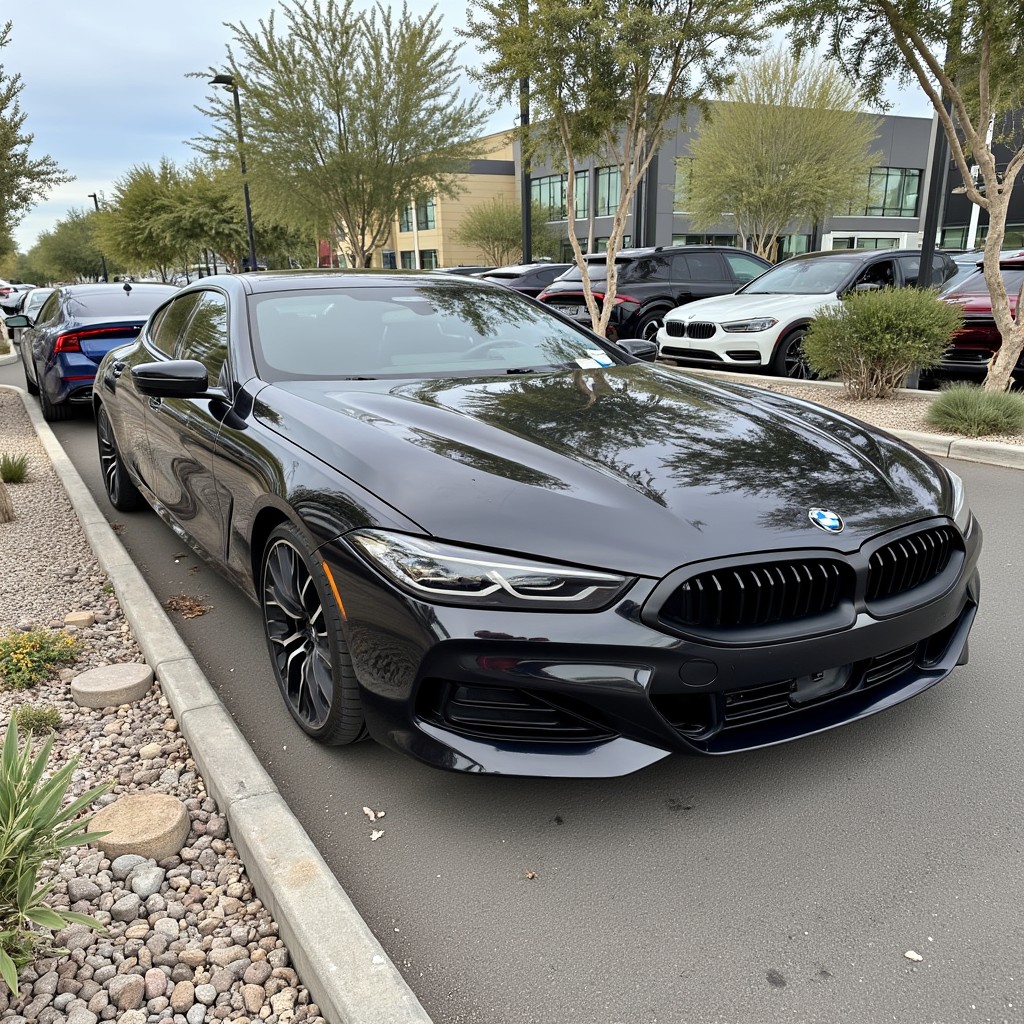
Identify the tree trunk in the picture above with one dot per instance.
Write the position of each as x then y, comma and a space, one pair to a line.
1010, 329
6, 505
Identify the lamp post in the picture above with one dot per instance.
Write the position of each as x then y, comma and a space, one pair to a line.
103, 260
228, 82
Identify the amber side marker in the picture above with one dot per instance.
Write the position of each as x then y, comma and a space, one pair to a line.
334, 590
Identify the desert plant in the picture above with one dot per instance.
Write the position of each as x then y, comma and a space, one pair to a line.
874, 339
968, 409
38, 720
26, 658
35, 826
13, 468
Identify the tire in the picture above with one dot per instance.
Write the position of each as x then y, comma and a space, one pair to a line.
30, 386
121, 492
649, 325
308, 653
789, 359
54, 412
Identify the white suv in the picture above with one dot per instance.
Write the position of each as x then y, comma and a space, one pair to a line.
762, 325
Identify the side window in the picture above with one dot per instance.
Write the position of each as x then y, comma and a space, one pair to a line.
743, 268
680, 269
648, 268
911, 266
882, 274
168, 325
706, 266
47, 313
206, 336
548, 274
911, 269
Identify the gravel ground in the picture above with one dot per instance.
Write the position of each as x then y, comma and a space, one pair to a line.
186, 939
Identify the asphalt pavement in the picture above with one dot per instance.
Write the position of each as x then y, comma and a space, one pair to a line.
779, 885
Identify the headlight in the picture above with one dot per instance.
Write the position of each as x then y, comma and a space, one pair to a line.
759, 324
961, 512
448, 574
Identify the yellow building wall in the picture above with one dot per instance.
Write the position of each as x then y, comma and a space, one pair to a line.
449, 213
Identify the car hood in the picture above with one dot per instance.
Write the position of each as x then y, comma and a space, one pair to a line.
735, 307
635, 468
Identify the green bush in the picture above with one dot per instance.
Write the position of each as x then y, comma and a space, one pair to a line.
969, 410
38, 720
13, 468
874, 339
26, 658
34, 828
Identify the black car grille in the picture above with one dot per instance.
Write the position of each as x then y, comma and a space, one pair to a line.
748, 596
698, 329
907, 563
508, 714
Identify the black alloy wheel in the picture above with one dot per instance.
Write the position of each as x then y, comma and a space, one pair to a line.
122, 493
790, 359
54, 411
303, 627
650, 324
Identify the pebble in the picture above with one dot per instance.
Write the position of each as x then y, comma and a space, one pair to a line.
186, 939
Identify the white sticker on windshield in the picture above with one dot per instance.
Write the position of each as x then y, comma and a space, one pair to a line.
601, 358
588, 364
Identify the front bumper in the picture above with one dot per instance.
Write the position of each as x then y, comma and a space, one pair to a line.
724, 350
605, 694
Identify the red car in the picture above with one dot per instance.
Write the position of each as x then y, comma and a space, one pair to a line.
976, 342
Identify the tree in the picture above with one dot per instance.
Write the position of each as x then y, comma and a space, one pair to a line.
607, 77
70, 251
23, 180
346, 116
786, 146
967, 58
496, 229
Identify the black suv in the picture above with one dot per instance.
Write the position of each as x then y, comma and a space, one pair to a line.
653, 281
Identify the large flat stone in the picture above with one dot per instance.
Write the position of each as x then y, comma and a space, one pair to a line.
111, 685
153, 825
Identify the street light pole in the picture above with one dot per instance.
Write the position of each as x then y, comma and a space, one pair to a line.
103, 260
229, 83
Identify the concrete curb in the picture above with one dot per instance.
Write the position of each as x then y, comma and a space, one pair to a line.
336, 955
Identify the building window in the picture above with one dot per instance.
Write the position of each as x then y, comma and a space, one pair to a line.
609, 189
703, 239
425, 215
428, 259
891, 192
684, 184
792, 245
405, 218
954, 238
387, 259
863, 242
408, 259
601, 244
550, 193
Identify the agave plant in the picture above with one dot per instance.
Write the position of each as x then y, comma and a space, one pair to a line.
35, 825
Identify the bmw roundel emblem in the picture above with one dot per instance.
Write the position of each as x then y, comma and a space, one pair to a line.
825, 519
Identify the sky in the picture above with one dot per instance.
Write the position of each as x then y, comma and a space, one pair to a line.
105, 85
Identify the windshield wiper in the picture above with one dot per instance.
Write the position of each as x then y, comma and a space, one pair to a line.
523, 369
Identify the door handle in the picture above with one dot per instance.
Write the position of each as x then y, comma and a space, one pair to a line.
155, 403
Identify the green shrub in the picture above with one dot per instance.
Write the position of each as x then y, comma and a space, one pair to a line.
13, 468
968, 409
38, 720
34, 828
874, 339
26, 658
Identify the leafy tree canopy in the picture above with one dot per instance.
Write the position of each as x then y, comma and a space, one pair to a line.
786, 146
495, 228
70, 251
346, 115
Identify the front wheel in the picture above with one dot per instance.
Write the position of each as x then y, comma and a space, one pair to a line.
308, 652
790, 360
121, 492
650, 324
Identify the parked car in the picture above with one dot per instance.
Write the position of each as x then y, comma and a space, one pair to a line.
650, 282
423, 481
762, 326
75, 327
979, 338
528, 278
966, 264
467, 271
29, 303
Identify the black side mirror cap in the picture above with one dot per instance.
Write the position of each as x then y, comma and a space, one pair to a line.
640, 348
177, 378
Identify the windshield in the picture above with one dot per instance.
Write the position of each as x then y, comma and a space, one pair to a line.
802, 277
975, 284
428, 329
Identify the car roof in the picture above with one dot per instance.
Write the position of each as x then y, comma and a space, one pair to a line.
651, 250
314, 280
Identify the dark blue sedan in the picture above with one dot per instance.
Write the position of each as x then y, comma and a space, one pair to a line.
76, 327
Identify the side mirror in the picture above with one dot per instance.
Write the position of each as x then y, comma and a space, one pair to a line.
178, 378
20, 320
640, 348
867, 286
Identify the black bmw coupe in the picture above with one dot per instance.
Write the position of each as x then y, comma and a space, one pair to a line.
486, 537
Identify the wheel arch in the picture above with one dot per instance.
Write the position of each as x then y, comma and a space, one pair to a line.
796, 325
